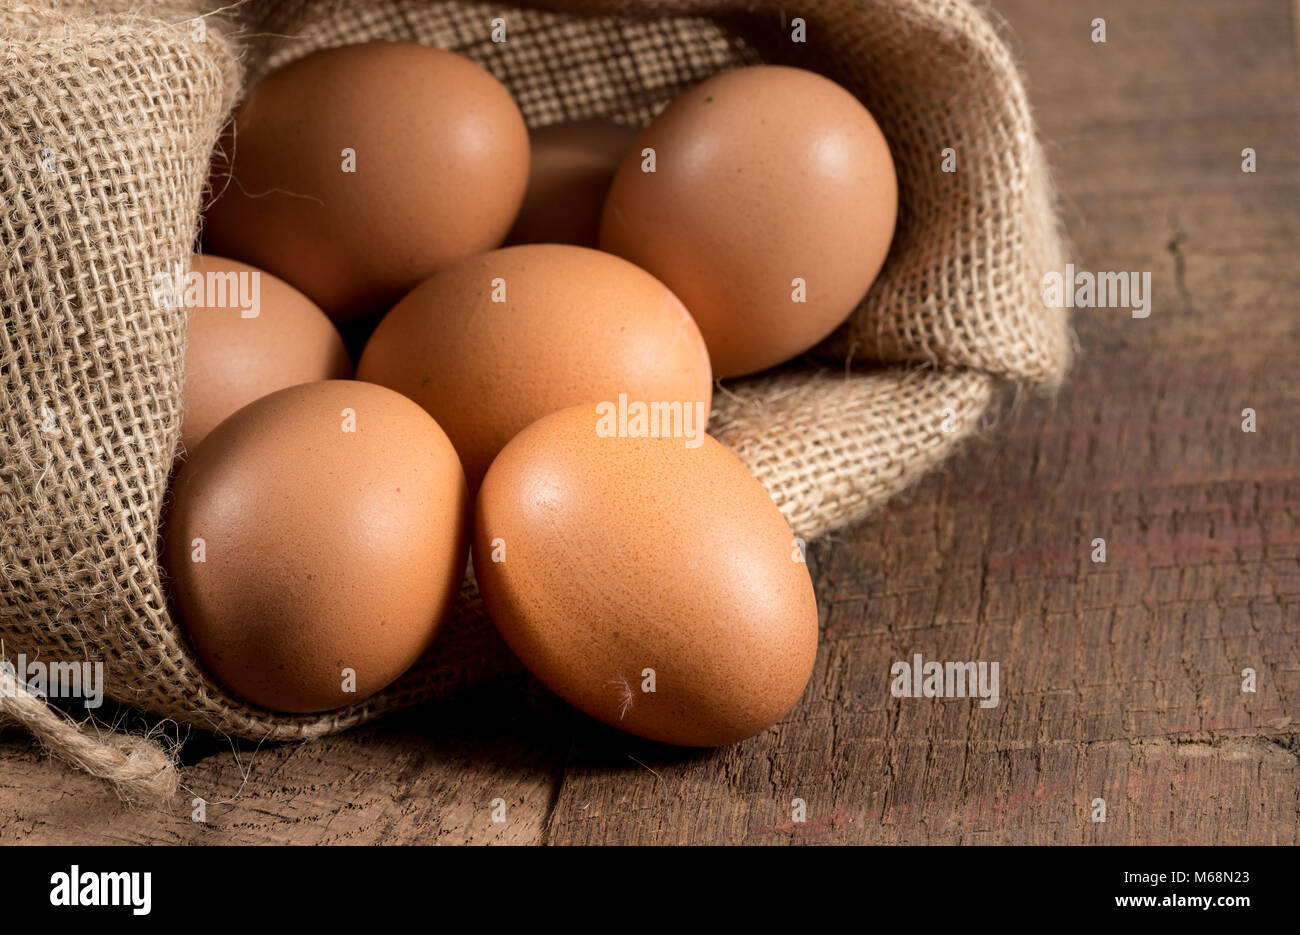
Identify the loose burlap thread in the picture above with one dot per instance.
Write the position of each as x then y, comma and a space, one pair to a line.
109, 113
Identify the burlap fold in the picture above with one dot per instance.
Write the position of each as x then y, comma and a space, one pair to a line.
108, 116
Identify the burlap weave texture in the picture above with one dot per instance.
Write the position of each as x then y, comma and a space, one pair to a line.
108, 116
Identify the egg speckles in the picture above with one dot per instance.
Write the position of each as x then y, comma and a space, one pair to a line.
547, 400
613, 564
316, 540
359, 170
769, 211
501, 339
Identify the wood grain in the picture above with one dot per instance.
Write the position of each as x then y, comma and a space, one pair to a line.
1119, 681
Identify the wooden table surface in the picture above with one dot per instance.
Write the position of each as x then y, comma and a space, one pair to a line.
1120, 681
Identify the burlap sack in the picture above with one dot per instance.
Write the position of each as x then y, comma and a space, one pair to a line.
108, 116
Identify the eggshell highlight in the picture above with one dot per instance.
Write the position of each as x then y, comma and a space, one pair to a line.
769, 212
573, 325
355, 172
239, 351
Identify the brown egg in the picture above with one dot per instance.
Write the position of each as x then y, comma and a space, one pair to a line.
249, 334
575, 325
318, 533
440, 158
612, 564
572, 166
769, 212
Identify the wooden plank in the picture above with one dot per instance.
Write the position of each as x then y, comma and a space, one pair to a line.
428, 776
1120, 681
